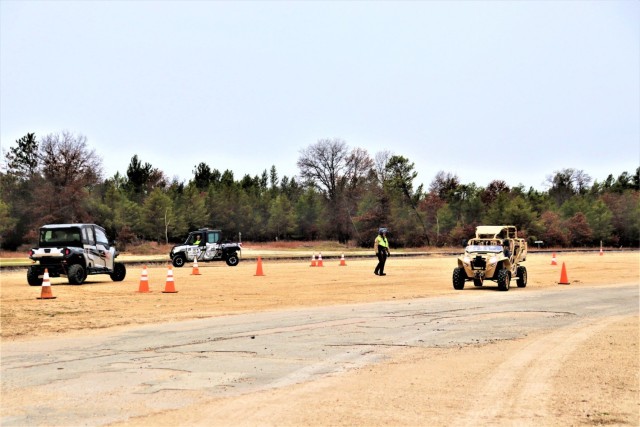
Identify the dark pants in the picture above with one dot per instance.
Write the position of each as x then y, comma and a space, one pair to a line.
382, 258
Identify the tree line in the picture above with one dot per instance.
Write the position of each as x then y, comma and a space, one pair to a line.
341, 193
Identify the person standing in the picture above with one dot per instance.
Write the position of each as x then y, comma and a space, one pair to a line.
381, 248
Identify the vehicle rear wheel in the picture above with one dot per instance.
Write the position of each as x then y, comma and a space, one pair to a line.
179, 260
32, 277
504, 279
76, 274
459, 277
521, 274
232, 259
119, 272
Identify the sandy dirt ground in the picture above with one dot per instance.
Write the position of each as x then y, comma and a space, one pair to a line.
545, 380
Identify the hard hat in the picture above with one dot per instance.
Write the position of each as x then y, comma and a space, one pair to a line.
382, 230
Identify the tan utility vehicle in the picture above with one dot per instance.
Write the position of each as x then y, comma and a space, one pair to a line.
495, 253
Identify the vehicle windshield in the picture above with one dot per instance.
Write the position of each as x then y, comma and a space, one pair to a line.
193, 238
484, 248
57, 237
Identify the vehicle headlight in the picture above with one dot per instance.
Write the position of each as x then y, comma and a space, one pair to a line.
466, 261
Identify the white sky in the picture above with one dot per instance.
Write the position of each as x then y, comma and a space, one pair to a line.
511, 90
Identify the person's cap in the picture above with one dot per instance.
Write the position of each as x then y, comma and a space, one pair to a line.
382, 230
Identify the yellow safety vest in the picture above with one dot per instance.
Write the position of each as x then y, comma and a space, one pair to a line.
381, 241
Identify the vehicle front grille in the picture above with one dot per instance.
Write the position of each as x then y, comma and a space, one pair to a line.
479, 263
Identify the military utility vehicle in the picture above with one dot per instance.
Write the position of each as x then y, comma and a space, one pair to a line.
495, 253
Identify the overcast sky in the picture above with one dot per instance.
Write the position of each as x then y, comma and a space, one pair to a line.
511, 90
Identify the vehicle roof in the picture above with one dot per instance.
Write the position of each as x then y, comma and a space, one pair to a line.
493, 230
69, 225
203, 230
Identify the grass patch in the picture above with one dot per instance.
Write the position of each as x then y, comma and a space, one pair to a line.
15, 262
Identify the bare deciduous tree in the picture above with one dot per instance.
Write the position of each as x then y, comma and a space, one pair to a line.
323, 163
69, 169
567, 182
335, 170
444, 184
330, 166
359, 164
380, 166
493, 190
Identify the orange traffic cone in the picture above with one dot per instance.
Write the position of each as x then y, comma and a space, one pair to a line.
46, 293
313, 260
170, 287
195, 271
553, 259
342, 261
259, 268
144, 281
320, 260
563, 276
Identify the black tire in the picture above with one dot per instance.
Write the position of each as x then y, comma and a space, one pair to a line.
459, 277
521, 274
179, 260
32, 277
232, 259
119, 272
76, 274
504, 279
477, 282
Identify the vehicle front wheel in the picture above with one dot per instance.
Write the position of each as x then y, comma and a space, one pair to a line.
232, 259
504, 279
32, 277
179, 260
459, 277
119, 272
76, 274
521, 274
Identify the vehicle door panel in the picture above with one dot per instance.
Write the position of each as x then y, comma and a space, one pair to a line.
193, 251
103, 250
89, 246
210, 251
211, 245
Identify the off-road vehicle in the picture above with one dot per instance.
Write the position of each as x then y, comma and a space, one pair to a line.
495, 253
206, 245
74, 251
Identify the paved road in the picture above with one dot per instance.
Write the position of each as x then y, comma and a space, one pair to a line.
97, 380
